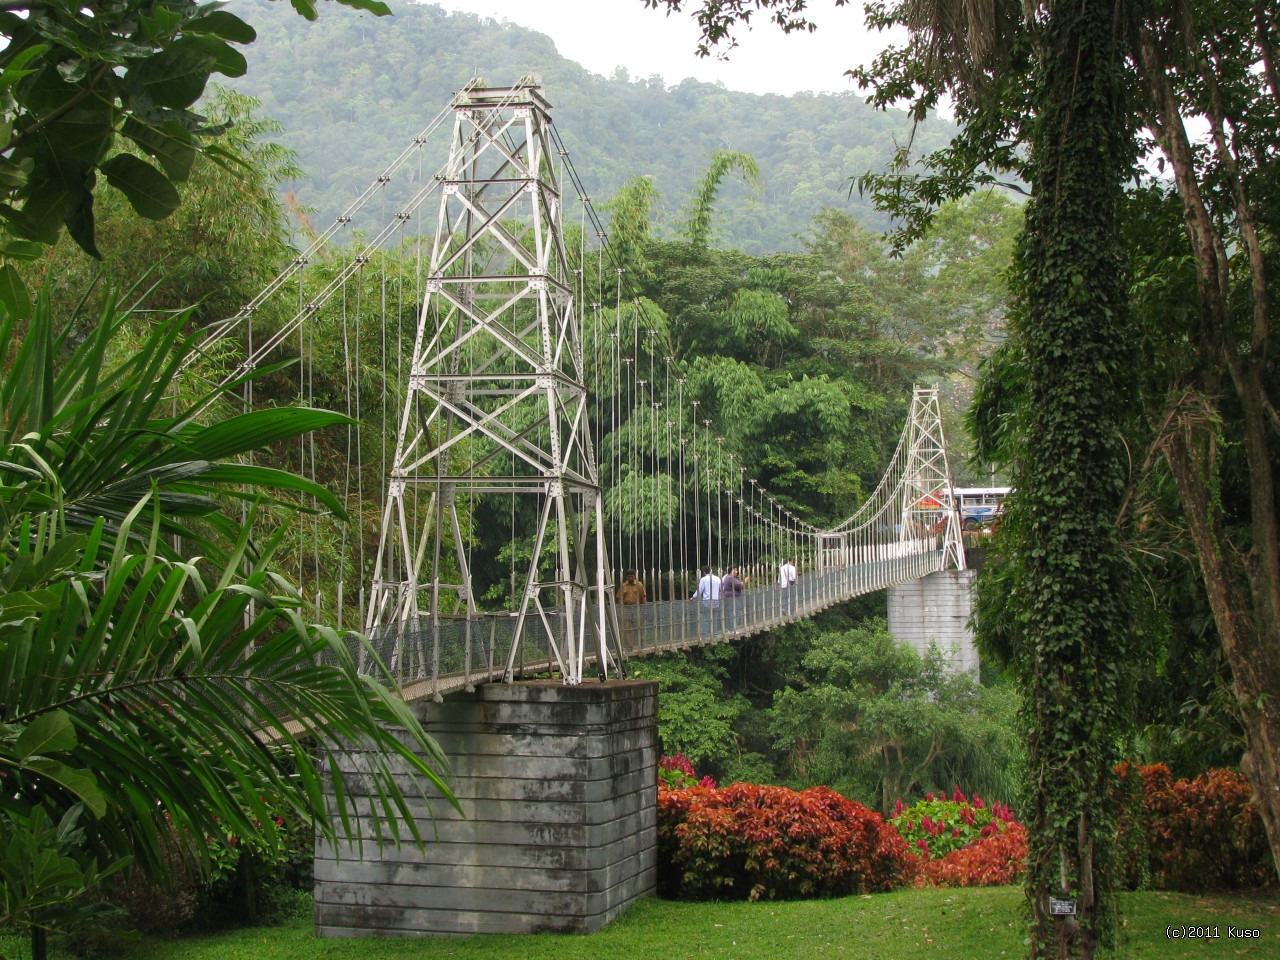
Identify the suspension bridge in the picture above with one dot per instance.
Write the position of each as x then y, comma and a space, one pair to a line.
517, 405
495, 417
905, 532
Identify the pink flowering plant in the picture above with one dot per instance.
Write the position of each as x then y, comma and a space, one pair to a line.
676, 773
937, 825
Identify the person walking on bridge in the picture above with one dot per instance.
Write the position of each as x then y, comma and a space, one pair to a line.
631, 591
708, 592
787, 584
732, 586
631, 597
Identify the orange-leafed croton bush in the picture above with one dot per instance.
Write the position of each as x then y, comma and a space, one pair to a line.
746, 841
1191, 834
751, 842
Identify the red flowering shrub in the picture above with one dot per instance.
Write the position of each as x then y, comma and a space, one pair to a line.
961, 842
935, 826
993, 861
676, 773
750, 842
1195, 834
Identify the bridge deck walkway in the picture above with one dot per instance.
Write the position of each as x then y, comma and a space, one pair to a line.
432, 659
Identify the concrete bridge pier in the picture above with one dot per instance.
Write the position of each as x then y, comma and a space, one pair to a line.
558, 785
936, 609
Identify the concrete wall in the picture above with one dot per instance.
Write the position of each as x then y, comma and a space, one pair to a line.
559, 789
936, 609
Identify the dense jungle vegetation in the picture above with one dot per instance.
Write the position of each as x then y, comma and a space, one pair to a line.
347, 112
133, 591
807, 358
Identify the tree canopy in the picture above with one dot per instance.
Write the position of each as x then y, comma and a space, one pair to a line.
110, 94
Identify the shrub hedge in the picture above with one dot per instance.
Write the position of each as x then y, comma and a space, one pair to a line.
1193, 834
750, 842
755, 842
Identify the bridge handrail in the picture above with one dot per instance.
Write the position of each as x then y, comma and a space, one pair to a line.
431, 658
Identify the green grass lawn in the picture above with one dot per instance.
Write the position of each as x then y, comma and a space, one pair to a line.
975, 924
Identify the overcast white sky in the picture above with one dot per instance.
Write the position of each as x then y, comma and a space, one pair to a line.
604, 34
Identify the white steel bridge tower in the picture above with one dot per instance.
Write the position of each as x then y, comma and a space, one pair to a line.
495, 408
928, 504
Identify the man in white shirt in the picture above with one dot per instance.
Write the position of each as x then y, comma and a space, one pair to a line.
786, 583
708, 592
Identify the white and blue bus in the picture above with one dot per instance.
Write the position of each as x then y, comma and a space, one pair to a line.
979, 506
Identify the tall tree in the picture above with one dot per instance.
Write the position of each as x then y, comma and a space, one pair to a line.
1070, 638
1057, 84
1216, 64
1072, 641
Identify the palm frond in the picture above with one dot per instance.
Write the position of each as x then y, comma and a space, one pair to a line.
158, 688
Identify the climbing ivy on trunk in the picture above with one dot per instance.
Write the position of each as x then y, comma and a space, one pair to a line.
1071, 645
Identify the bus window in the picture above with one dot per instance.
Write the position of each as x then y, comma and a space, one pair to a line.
979, 507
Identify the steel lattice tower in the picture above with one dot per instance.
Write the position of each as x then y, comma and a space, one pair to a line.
496, 402
927, 501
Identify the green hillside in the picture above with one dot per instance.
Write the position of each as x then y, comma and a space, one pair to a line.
352, 90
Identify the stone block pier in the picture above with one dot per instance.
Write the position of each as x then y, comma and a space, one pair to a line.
558, 788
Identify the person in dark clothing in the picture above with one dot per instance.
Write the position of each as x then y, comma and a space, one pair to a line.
732, 587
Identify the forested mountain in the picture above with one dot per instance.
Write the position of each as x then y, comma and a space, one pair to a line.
352, 90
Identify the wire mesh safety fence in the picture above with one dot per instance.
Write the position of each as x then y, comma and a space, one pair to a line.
430, 658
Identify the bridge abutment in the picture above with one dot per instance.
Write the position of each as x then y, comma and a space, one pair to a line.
558, 787
936, 609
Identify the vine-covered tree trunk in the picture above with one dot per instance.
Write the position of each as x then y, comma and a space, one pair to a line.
1255, 660
1072, 643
